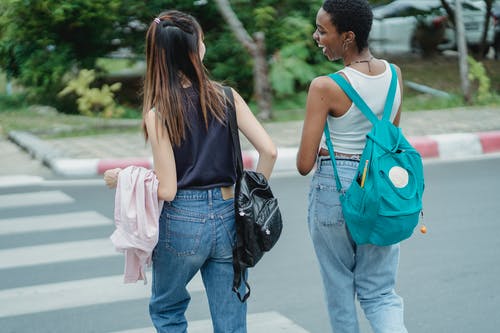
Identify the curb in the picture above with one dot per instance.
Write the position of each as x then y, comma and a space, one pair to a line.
443, 146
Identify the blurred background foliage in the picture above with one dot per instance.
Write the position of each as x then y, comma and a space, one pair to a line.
44, 44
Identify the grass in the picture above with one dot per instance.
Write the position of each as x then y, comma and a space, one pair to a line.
48, 123
439, 73
3, 83
442, 73
114, 65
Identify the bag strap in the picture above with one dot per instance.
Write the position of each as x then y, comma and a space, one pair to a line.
389, 102
233, 126
332, 156
361, 104
354, 96
239, 273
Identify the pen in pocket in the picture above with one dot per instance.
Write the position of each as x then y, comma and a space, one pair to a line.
365, 170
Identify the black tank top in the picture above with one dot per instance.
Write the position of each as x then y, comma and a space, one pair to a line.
204, 158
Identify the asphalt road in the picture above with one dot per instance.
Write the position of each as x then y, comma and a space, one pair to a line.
58, 272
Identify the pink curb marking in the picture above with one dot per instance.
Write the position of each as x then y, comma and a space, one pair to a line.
247, 161
106, 164
426, 146
490, 141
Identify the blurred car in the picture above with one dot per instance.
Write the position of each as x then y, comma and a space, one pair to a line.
395, 25
495, 13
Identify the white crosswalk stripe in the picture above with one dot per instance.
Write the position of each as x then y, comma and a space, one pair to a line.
52, 222
56, 253
19, 180
64, 295
33, 199
265, 322
51, 297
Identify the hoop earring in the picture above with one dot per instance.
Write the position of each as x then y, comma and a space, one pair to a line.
345, 46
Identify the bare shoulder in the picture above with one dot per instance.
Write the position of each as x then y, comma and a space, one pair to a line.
322, 83
240, 104
236, 95
326, 87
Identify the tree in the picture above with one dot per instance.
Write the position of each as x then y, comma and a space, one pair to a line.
462, 51
257, 49
41, 40
484, 43
481, 50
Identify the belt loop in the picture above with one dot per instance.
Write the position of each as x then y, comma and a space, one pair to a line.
210, 197
318, 164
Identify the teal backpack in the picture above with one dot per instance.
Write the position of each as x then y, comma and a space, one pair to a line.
383, 204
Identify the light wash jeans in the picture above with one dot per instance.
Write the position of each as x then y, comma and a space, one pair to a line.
197, 232
367, 272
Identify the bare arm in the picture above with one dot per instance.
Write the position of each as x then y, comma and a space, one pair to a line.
400, 81
163, 156
317, 108
257, 135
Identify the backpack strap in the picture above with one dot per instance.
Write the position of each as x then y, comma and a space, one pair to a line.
365, 109
360, 103
389, 102
354, 96
332, 156
238, 271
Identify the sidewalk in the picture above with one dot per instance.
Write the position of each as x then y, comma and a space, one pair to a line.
441, 134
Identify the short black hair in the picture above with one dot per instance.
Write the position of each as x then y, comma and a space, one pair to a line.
351, 15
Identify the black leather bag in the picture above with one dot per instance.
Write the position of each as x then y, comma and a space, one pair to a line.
257, 214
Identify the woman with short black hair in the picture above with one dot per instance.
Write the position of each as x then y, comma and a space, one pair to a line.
349, 271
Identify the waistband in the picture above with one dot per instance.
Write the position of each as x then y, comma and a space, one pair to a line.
224, 193
324, 152
324, 162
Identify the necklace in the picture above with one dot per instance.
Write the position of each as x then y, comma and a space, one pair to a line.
361, 61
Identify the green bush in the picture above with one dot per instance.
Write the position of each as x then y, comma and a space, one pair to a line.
477, 73
14, 101
93, 101
41, 40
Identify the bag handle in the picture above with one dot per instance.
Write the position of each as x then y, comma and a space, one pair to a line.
381, 145
239, 273
361, 104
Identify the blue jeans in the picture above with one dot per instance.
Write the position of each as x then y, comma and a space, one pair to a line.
197, 232
367, 272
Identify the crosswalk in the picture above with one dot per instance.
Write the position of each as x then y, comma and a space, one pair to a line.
267, 322
22, 301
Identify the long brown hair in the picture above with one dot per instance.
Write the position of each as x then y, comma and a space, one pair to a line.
172, 59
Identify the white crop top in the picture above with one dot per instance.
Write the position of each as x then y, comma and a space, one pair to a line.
348, 132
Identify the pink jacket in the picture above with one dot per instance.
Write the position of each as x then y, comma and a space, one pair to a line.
137, 212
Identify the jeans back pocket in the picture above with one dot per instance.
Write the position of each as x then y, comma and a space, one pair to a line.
328, 210
183, 232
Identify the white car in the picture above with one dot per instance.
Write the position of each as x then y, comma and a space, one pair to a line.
394, 25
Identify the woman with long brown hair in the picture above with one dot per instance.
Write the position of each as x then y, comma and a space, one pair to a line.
186, 121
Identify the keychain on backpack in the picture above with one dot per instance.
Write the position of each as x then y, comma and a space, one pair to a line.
423, 228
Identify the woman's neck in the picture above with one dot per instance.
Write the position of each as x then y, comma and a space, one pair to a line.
357, 59
364, 56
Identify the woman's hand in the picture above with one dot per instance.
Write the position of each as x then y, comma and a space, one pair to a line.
111, 177
257, 135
